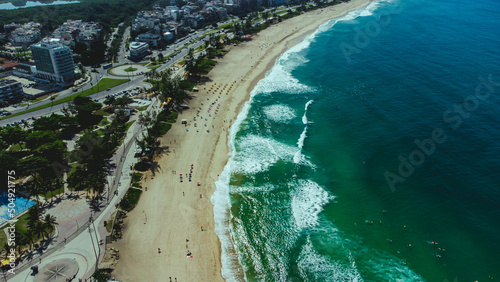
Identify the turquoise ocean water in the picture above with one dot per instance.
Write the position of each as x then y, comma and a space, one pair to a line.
370, 152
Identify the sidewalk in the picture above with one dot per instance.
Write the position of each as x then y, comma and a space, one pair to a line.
80, 240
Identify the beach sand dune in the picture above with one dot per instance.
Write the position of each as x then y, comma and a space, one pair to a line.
173, 217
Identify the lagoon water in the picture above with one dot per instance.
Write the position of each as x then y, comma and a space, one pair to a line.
27, 4
370, 152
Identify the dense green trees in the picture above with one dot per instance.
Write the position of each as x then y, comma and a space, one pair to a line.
12, 135
84, 109
117, 40
95, 54
124, 101
54, 123
108, 13
170, 87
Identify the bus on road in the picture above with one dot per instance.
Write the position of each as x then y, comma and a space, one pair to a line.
107, 66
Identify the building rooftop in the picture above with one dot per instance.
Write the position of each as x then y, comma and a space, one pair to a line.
136, 45
6, 82
7, 64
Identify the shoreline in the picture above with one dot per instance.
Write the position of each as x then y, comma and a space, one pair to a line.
173, 217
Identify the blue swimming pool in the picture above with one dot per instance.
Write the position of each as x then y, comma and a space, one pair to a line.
20, 204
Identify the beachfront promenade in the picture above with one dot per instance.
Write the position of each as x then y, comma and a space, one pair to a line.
190, 222
80, 233
180, 229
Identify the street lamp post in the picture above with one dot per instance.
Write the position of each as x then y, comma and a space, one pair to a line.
92, 240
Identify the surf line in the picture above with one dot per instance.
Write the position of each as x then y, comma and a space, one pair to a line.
300, 143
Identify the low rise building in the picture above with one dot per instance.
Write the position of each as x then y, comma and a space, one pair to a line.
174, 12
73, 31
149, 38
7, 67
138, 50
11, 91
193, 21
168, 36
24, 35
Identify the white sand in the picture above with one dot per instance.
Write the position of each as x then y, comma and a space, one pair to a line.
164, 217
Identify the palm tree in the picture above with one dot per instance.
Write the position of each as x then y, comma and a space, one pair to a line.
33, 216
50, 222
39, 229
6, 249
21, 238
29, 236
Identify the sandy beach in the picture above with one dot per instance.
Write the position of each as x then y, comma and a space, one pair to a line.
173, 216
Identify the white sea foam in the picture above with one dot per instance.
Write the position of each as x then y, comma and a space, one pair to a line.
298, 157
252, 189
280, 78
279, 113
368, 10
304, 117
258, 153
284, 82
311, 263
307, 203
232, 268
391, 268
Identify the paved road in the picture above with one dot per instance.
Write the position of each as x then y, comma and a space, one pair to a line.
123, 52
78, 244
100, 73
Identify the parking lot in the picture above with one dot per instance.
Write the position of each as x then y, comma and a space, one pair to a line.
30, 87
132, 91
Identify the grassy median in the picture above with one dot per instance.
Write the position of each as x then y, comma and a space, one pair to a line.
103, 84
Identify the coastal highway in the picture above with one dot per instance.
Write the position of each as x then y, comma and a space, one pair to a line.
135, 81
56, 108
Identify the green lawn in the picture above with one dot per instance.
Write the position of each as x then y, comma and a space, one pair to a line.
207, 65
106, 111
15, 147
130, 199
53, 193
130, 69
21, 227
104, 84
136, 177
41, 98
140, 109
104, 121
128, 125
100, 132
153, 67
227, 25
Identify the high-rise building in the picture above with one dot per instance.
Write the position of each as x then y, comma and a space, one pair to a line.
53, 61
